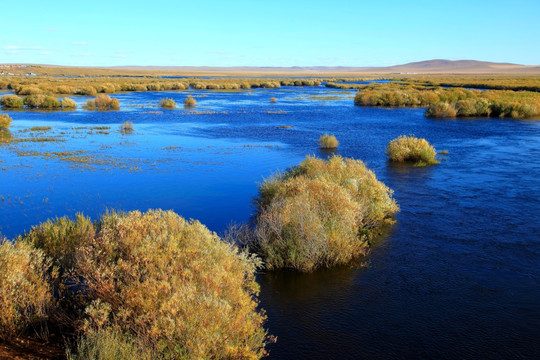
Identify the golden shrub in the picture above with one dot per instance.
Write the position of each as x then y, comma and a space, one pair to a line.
5, 121
173, 284
328, 142
25, 295
411, 149
320, 213
190, 101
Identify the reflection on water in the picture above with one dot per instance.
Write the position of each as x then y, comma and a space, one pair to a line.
457, 277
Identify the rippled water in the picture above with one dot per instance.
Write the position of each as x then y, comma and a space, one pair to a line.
457, 277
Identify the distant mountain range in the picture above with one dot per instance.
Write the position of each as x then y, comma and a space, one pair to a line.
437, 66
428, 66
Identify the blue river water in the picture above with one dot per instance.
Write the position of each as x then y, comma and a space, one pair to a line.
457, 277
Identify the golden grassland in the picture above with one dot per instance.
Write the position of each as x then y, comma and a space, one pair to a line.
132, 285
319, 214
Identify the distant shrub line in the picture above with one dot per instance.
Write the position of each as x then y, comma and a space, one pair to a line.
452, 102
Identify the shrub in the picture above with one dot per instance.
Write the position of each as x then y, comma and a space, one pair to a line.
411, 149
25, 296
273, 99
441, 110
190, 101
88, 90
103, 102
126, 127
167, 103
12, 102
30, 90
5, 121
34, 101
328, 142
68, 103
50, 102
319, 214
173, 285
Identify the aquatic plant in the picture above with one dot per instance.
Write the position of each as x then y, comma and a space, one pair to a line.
29, 90
12, 102
25, 295
441, 109
103, 102
167, 103
411, 149
273, 99
50, 102
327, 141
5, 121
190, 101
172, 285
319, 214
126, 127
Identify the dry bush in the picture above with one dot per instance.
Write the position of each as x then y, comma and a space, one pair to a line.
12, 102
25, 295
190, 102
441, 110
34, 101
167, 103
68, 103
5, 121
174, 285
50, 102
29, 90
327, 141
319, 214
273, 99
103, 102
411, 149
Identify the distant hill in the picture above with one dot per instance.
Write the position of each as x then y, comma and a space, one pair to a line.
437, 66
428, 66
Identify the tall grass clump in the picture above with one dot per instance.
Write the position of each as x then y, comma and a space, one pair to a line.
273, 99
327, 141
68, 103
319, 214
167, 103
5, 121
25, 295
126, 127
12, 102
411, 149
190, 101
103, 102
172, 286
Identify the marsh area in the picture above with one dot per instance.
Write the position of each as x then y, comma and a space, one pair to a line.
456, 277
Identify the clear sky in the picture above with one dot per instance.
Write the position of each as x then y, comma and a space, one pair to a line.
267, 33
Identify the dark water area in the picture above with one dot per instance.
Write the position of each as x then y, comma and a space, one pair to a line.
457, 277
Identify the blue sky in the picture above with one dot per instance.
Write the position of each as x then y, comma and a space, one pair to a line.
267, 33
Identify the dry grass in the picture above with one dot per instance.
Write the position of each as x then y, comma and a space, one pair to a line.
190, 102
167, 103
126, 127
68, 103
5, 121
12, 102
319, 214
273, 99
173, 284
103, 102
25, 294
327, 141
411, 149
